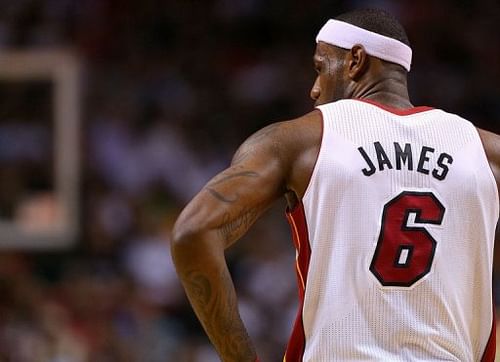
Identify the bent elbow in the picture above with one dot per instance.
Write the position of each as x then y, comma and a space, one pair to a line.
187, 235
191, 245
189, 226
182, 244
184, 235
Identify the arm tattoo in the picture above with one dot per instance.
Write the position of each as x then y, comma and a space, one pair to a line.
250, 144
201, 290
241, 155
221, 197
224, 178
263, 133
216, 306
233, 175
232, 228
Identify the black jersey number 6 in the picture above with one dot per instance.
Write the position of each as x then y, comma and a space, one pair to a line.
405, 249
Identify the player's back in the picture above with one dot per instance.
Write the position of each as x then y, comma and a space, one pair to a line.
395, 237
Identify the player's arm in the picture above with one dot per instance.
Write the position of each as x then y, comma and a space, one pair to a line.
219, 215
491, 144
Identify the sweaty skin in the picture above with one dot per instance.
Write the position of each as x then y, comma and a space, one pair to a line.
276, 161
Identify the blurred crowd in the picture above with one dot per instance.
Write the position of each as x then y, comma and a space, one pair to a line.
170, 88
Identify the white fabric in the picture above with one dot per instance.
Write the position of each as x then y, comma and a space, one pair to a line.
348, 315
345, 35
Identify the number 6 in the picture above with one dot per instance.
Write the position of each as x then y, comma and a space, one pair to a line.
404, 252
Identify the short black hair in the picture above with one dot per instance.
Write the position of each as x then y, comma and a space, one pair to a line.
377, 21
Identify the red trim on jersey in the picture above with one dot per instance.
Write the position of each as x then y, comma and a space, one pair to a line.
489, 351
319, 150
397, 111
297, 220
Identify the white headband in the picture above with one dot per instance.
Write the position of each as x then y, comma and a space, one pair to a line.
345, 35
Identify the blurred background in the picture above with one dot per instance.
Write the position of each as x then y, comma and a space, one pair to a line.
114, 113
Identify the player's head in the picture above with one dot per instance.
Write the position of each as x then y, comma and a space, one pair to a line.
357, 48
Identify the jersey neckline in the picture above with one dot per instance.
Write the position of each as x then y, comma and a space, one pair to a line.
396, 111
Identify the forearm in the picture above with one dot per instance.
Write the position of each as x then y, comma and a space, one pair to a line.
203, 272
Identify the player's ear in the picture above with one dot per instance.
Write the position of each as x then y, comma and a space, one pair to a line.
357, 61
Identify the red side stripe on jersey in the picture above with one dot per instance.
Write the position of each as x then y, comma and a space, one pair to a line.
489, 351
297, 220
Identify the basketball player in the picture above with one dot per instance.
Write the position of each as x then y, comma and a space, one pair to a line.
393, 210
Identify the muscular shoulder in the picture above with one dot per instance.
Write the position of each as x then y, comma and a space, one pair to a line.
293, 144
491, 144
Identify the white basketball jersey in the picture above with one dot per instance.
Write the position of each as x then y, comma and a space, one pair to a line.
394, 239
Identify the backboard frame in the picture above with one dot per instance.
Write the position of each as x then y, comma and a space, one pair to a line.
63, 69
